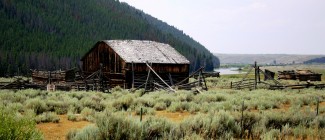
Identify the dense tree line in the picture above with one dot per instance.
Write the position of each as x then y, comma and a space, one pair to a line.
47, 34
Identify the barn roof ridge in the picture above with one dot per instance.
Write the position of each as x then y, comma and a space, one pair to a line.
142, 51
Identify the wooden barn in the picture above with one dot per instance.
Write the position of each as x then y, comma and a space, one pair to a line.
127, 63
308, 75
301, 75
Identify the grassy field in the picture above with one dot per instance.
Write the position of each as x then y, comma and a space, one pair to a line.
220, 113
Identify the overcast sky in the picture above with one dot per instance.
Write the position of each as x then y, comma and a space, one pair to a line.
246, 26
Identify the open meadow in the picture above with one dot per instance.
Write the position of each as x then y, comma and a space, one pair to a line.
219, 113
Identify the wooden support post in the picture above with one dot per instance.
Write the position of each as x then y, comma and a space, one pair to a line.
132, 75
49, 77
199, 78
205, 84
86, 86
101, 82
258, 74
170, 79
148, 76
230, 85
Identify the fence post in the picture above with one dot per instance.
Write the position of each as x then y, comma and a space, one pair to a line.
242, 119
317, 105
141, 115
255, 82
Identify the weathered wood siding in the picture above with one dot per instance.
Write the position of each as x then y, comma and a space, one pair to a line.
102, 54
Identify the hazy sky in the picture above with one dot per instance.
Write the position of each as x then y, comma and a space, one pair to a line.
246, 26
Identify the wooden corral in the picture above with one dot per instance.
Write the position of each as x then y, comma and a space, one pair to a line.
246, 83
268, 75
124, 63
55, 77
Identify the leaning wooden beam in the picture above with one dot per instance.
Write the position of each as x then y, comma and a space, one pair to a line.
145, 85
93, 74
159, 77
192, 83
140, 86
190, 76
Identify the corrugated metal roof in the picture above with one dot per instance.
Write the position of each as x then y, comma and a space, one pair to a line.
139, 51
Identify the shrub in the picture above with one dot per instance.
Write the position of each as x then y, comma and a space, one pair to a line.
209, 97
160, 106
12, 97
145, 111
90, 132
300, 131
271, 135
144, 101
93, 102
156, 128
117, 89
71, 134
178, 107
60, 107
167, 99
113, 126
16, 107
47, 117
249, 121
211, 126
38, 105
88, 114
15, 126
184, 95
286, 131
123, 103
71, 116
318, 122
117, 127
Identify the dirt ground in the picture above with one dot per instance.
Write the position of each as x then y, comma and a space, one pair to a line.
173, 116
58, 131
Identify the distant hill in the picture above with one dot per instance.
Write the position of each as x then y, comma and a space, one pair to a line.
46, 34
320, 60
264, 58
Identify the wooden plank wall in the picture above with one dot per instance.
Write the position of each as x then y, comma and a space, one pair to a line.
104, 54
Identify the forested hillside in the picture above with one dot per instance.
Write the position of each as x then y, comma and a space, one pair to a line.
48, 35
